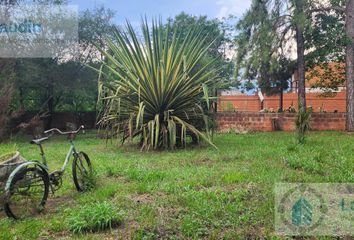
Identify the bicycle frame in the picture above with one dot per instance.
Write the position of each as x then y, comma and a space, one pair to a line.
72, 152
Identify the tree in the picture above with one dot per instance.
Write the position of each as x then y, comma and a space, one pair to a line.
331, 20
6, 94
286, 21
278, 80
61, 83
258, 52
215, 32
349, 29
94, 25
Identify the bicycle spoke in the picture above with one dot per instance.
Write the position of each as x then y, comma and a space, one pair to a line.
27, 194
82, 170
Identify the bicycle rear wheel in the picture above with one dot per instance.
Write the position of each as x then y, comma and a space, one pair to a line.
27, 193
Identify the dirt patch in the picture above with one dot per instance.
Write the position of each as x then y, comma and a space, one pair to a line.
53, 203
169, 211
147, 197
121, 179
128, 229
56, 235
202, 161
242, 186
143, 198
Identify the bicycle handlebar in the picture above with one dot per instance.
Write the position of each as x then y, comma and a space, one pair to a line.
64, 133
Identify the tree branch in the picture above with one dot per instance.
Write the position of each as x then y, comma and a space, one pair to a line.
326, 9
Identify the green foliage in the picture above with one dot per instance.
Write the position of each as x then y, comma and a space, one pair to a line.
208, 208
94, 25
61, 83
227, 192
327, 36
216, 32
94, 217
7, 152
260, 58
303, 124
157, 89
90, 180
266, 29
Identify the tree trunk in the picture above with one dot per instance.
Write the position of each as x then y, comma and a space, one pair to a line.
21, 99
281, 100
50, 104
301, 68
349, 29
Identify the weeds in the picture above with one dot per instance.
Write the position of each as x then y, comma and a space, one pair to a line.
94, 217
303, 124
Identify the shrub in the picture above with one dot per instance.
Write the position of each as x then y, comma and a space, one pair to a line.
229, 107
94, 217
303, 123
158, 89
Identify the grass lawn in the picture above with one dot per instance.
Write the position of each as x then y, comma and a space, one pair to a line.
186, 194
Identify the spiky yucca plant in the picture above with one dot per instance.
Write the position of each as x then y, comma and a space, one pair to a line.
156, 88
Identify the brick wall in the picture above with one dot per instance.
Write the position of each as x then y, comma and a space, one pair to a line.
264, 122
252, 103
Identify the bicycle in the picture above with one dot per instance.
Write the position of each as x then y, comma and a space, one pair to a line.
27, 187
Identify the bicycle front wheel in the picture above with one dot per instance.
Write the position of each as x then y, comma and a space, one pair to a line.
27, 193
82, 172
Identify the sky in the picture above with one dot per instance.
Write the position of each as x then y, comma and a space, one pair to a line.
133, 10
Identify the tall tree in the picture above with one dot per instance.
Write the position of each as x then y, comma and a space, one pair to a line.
287, 22
298, 22
278, 80
335, 31
259, 56
215, 31
349, 29
61, 83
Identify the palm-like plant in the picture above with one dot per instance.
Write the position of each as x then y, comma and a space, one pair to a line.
157, 87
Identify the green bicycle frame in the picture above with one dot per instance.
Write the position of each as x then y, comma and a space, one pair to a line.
72, 151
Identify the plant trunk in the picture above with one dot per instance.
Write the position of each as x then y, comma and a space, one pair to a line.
349, 29
281, 100
301, 68
21, 99
50, 104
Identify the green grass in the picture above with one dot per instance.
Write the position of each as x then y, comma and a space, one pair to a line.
186, 194
94, 217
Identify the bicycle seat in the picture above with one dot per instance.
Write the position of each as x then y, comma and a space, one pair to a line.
38, 141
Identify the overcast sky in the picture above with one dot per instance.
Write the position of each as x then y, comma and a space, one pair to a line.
134, 9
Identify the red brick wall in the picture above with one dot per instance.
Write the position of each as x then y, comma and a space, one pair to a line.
286, 121
252, 103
